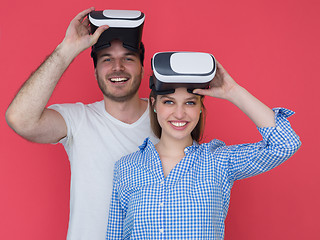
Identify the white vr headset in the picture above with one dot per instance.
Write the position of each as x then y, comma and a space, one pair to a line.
172, 70
124, 25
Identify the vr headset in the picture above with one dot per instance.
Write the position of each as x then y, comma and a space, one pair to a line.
172, 70
125, 25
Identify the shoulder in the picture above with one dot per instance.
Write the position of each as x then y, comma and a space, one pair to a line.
129, 159
129, 162
79, 109
212, 146
214, 154
137, 158
67, 106
129, 169
78, 105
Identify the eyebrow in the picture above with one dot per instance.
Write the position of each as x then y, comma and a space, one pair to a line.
131, 54
126, 54
189, 98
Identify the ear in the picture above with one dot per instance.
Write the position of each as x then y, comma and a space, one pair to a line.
142, 72
152, 101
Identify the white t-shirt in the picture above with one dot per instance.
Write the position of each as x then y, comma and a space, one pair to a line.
94, 142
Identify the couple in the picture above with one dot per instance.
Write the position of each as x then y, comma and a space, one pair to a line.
172, 187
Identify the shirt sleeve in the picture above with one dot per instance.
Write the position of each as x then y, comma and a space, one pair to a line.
116, 213
279, 143
72, 115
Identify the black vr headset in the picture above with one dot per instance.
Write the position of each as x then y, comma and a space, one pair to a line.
172, 70
125, 25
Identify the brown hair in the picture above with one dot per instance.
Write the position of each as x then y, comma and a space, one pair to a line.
141, 52
197, 132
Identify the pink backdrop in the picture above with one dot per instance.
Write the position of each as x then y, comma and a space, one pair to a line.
271, 47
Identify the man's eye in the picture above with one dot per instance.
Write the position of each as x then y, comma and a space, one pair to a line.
129, 59
107, 60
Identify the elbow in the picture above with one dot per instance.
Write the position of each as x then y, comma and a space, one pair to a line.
11, 119
287, 149
297, 144
293, 146
18, 124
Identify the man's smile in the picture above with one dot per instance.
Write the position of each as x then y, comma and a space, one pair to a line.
118, 79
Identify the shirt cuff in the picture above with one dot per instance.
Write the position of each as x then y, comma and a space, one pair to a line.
282, 133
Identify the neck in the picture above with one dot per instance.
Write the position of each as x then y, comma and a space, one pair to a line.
173, 147
128, 111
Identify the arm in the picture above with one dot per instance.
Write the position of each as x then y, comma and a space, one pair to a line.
27, 114
279, 143
223, 86
279, 140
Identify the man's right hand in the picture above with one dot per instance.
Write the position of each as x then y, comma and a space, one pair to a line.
78, 35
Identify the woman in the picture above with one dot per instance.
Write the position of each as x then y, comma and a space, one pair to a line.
178, 189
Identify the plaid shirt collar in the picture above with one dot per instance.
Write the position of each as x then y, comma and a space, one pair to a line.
153, 162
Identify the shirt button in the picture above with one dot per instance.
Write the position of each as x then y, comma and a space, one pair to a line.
162, 182
161, 231
278, 128
161, 204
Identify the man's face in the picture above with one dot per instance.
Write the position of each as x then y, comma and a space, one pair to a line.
118, 72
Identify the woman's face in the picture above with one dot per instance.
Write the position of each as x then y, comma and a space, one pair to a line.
178, 113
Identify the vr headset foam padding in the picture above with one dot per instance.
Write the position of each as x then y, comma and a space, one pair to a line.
125, 25
181, 69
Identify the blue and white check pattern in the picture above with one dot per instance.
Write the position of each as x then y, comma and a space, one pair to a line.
193, 200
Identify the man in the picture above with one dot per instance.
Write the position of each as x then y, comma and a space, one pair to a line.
94, 135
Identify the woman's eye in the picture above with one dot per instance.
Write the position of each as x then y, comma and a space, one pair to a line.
191, 103
168, 102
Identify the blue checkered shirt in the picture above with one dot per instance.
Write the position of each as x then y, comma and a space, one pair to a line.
193, 200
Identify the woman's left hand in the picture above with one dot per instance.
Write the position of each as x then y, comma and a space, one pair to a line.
221, 86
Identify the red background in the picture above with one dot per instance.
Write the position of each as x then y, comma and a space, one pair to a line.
271, 47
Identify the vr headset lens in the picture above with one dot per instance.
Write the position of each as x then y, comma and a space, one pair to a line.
181, 69
124, 25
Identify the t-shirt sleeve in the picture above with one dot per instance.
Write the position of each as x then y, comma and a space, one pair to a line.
73, 115
279, 143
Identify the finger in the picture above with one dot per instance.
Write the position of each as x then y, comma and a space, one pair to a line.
220, 68
204, 92
83, 14
98, 32
218, 64
86, 22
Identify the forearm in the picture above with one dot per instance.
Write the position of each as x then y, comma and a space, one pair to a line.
27, 107
223, 86
258, 112
279, 143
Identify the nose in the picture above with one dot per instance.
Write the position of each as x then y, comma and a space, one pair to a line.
118, 65
179, 112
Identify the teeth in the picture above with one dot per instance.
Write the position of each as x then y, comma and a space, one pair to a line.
178, 124
118, 79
